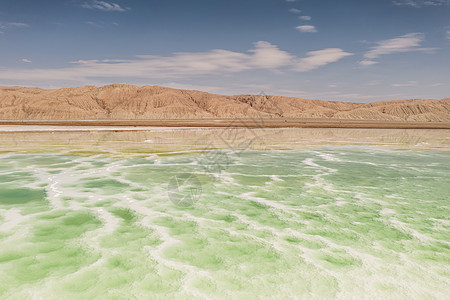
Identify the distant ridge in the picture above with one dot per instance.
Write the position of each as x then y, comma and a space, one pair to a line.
129, 102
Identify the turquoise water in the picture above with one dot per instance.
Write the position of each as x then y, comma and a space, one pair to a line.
329, 222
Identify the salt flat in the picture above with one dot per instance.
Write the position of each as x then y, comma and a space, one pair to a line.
234, 213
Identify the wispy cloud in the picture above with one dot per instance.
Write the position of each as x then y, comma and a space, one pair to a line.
15, 24
366, 63
104, 6
332, 95
295, 10
94, 24
305, 18
373, 83
409, 83
101, 24
25, 60
264, 56
316, 59
406, 43
306, 28
8, 25
421, 3
448, 35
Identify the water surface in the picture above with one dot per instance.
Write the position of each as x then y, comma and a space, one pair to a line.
210, 214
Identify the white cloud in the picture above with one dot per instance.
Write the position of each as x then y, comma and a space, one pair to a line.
316, 59
180, 65
305, 18
268, 56
409, 83
306, 28
295, 11
367, 62
26, 60
405, 43
105, 6
421, 3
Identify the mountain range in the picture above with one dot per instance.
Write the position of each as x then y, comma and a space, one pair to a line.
128, 102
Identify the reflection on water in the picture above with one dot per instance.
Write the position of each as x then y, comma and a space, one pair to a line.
181, 140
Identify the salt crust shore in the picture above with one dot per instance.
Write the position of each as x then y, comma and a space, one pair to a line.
227, 123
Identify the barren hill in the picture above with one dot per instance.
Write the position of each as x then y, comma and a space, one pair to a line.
122, 102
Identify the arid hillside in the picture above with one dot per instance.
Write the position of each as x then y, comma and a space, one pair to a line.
124, 102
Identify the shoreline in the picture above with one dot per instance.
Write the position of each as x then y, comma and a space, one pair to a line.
140, 141
138, 125
64, 128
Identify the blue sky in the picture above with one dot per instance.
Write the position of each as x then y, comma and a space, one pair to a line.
348, 50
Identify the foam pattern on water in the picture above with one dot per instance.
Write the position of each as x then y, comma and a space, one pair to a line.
350, 222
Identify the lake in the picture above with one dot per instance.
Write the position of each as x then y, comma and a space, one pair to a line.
225, 213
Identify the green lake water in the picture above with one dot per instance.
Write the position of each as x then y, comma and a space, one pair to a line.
350, 221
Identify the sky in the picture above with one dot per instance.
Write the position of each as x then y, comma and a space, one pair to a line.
347, 50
